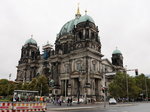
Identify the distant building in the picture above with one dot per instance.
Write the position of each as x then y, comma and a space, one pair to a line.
75, 65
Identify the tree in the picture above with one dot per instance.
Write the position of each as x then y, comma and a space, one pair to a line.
4, 87
43, 85
11, 87
148, 86
134, 90
40, 84
118, 87
18, 86
25, 86
33, 84
142, 81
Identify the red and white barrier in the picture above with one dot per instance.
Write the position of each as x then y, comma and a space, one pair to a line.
5, 107
22, 107
25, 107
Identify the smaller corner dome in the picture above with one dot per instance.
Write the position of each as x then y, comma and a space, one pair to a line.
31, 41
85, 18
116, 52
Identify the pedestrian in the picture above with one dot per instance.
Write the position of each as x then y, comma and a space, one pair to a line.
71, 101
60, 100
41, 99
68, 101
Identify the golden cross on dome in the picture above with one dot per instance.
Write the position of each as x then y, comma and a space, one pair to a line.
78, 10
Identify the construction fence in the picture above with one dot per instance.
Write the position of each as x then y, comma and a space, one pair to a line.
22, 107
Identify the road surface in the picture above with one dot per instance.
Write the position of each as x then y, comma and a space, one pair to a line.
134, 107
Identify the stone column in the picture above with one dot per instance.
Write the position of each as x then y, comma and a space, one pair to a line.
84, 34
89, 33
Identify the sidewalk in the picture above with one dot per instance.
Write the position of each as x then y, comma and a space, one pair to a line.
74, 106
63, 107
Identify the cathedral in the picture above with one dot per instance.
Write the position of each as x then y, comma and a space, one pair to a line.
75, 64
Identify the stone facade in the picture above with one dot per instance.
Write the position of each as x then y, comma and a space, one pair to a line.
76, 64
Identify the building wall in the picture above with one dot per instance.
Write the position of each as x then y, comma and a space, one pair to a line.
76, 64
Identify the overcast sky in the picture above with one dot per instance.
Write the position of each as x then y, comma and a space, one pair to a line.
122, 23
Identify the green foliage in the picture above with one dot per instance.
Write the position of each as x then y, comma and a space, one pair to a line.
118, 87
11, 87
134, 90
40, 84
18, 86
25, 86
142, 81
33, 84
148, 86
4, 87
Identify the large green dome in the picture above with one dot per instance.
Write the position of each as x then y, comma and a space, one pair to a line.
31, 41
68, 27
116, 52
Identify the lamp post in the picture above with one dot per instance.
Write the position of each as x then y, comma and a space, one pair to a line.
41, 90
79, 79
65, 89
146, 89
104, 90
127, 83
127, 87
104, 83
86, 95
78, 91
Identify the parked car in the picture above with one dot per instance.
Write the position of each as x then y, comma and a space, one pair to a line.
81, 100
112, 101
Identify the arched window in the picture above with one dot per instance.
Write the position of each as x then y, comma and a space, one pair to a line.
67, 68
78, 66
94, 63
32, 54
80, 35
87, 33
92, 35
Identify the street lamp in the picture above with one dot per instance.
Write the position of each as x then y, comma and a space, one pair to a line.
78, 91
104, 90
104, 84
127, 82
65, 89
41, 90
146, 89
79, 79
